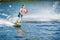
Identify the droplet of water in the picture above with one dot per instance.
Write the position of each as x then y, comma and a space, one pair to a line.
10, 6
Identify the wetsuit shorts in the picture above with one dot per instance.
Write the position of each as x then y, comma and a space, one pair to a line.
20, 15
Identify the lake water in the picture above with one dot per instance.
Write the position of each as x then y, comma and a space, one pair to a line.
34, 30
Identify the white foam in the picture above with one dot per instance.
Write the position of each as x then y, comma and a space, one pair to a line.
3, 21
43, 14
8, 22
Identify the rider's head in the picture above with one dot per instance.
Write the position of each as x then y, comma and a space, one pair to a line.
23, 6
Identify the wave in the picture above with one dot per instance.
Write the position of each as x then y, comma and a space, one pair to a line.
42, 17
7, 22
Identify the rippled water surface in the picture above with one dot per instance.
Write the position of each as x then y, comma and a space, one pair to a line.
33, 31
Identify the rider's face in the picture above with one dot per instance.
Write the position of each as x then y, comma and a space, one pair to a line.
23, 6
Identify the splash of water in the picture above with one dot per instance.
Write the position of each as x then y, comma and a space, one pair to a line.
9, 22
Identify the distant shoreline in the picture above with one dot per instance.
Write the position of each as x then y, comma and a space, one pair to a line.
19, 0
24, 0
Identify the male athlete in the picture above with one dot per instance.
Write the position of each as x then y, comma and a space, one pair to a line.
22, 11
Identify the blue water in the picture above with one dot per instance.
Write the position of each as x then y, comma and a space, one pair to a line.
49, 30
32, 31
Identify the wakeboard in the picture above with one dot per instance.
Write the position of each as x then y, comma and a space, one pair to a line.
17, 25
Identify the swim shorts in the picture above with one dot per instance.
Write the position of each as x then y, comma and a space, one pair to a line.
20, 15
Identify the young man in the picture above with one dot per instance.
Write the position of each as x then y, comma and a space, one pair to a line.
22, 11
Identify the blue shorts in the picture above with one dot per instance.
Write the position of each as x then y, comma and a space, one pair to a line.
20, 15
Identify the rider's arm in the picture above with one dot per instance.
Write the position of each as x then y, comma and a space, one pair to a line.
26, 10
